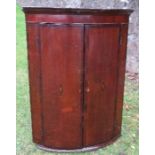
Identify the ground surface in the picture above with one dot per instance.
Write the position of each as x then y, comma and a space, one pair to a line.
126, 145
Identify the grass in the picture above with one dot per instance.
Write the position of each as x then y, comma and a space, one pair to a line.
126, 145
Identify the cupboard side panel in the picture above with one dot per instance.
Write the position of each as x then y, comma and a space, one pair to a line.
34, 81
61, 58
121, 79
102, 44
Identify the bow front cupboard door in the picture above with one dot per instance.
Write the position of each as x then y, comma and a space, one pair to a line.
76, 74
59, 58
101, 63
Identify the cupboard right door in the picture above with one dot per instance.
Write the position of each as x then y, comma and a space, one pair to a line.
102, 44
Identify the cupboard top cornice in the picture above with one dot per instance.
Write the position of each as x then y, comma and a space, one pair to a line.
77, 11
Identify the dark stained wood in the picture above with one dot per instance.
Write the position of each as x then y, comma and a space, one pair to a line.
83, 149
35, 81
101, 65
121, 78
54, 15
35, 18
77, 11
76, 71
61, 59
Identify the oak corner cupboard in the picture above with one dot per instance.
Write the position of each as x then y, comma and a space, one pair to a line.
76, 73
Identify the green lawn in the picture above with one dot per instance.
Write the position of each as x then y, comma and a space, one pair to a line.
126, 145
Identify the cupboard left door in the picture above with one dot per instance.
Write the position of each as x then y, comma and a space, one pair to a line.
55, 65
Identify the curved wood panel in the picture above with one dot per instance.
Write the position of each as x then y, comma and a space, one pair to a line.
35, 81
101, 71
61, 59
37, 18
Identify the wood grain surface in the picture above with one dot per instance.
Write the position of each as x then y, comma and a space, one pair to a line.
76, 75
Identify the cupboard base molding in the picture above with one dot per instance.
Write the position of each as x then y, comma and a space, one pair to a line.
84, 149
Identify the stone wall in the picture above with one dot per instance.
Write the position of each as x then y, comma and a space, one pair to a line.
133, 37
